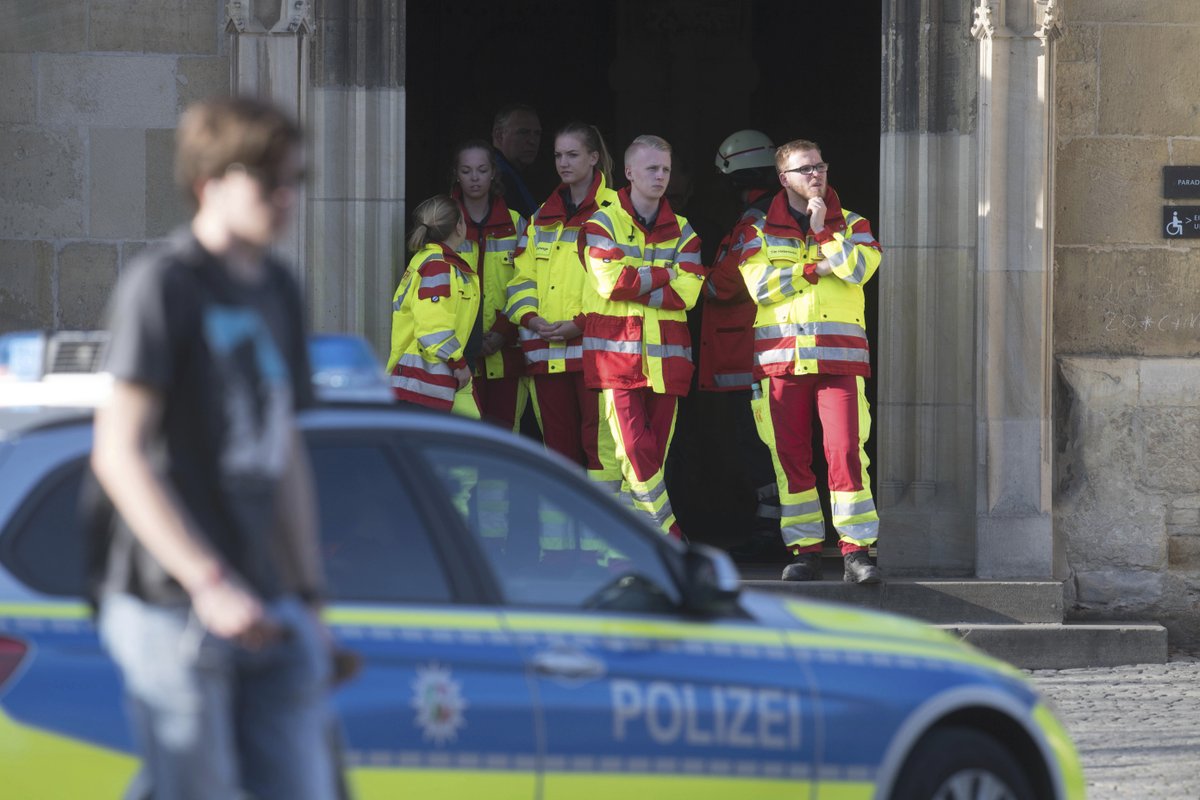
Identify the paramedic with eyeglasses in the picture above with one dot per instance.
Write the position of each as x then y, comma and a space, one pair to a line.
805, 268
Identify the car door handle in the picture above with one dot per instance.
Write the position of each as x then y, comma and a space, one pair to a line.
570, 664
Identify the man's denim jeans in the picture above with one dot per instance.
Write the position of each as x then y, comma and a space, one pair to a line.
215, 720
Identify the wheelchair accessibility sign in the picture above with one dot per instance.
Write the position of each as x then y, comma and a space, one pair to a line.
1181, 222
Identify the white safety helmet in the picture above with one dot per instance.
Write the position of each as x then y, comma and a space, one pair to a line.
746, 149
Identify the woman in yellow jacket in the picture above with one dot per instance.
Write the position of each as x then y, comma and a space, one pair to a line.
433, 314
492, 234
546, 299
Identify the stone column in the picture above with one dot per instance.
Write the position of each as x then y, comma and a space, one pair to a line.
1014, 533
268, 59
356, 115
926, 403
340, 67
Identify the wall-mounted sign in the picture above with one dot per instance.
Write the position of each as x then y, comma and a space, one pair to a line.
1181, 222
1181, 181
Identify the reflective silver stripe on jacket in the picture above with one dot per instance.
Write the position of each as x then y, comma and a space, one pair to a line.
860, 264
418, 386
784, 241
786, 355
428, 282
430, 340
500, 245
554, 353
645, 279
810, 329
612, 346
668, 351
416, 361
730, 379
656, 299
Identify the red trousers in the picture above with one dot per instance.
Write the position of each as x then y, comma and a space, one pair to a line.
642, 423
502, 400
569, 414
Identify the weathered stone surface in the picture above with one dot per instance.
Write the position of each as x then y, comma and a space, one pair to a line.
1170, 382
18, 89
1183, 552
1103, 507
199, 77
1076, 101
166, 207
1015, 324
155, 26
1168, 440
1101, 383
1145, 86
1109, 190
1119, 588
1081, 43
107, 91
1184, 152
1143, 302
41, 184
43, 26
87, 272
1131, 11
118, 183
26, 289
1013, 547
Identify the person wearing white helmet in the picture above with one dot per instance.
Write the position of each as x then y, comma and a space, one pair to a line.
747, 158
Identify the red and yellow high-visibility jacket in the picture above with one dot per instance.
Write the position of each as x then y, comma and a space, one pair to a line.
433, 311
727, 325
643, 281
550, 280
496, 238
808, 324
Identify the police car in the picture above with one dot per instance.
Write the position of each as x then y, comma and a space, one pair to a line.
523, 636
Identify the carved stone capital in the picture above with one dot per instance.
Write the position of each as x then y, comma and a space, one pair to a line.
1002, 19
984, 26
261, 16
1050, 20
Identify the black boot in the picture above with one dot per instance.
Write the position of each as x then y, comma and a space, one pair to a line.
804, 567
859, 568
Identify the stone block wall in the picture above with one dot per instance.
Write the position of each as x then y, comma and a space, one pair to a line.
90, 96
1127, 314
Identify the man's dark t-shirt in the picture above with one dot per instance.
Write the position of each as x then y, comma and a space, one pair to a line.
229, 361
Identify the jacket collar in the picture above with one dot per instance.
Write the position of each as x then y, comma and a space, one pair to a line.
450, 257
498, 223
555, 209
664, 228
779, 221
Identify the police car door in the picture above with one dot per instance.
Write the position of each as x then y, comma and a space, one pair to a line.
635, 695
442, 706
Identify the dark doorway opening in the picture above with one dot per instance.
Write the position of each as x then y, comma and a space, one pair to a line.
692, 71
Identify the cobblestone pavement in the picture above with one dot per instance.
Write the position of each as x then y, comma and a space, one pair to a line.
1137, 727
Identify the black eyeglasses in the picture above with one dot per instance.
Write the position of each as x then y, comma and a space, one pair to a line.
809, 169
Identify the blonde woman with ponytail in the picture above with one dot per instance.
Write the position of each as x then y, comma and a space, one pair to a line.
546, 299
433, 314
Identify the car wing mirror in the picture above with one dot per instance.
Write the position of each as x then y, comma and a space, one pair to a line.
711, 583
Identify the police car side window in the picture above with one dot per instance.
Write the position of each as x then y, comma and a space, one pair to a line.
374, 545
549, 542
44, 545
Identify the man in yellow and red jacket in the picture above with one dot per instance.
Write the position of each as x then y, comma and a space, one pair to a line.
747, 159
805, 269
643, 262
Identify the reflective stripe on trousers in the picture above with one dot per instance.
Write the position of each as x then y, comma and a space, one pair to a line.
784, 415
642, 424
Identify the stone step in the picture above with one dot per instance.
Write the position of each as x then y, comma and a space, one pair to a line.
1020, 622
937, 601
1070, 645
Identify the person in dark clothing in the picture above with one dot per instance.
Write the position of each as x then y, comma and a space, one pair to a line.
211, 582
516, 136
